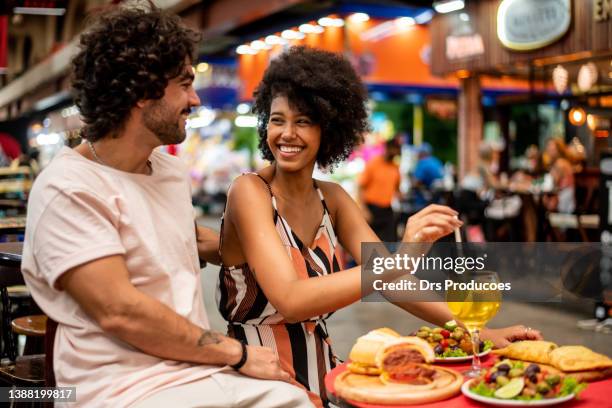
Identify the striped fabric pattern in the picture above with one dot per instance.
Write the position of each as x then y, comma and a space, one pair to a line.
303, 348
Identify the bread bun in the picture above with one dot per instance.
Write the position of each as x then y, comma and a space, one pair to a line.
363, 353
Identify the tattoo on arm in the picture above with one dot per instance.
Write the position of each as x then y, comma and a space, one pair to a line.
209, 337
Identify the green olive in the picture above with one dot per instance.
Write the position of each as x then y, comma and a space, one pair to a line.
542, 387
553, 379
516, 372
457, 335
502, 380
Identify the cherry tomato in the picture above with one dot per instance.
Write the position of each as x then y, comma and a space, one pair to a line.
444, 343
445, 333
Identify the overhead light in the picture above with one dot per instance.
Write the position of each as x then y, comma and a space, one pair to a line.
331, 22
560, 78
564, 105
44, 139
591, 121
577, 116
311, 29
260, 45
587, 76
246, 121
275, 40
464, 17
449, 6
40, 11
243, 108
202, 67
245, 49
404, 22
292, 35
359, 17
424, 17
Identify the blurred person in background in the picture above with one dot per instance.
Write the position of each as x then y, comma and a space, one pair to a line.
428, 171
562, 174
378, 187
487, 170
111, 250
282, 274
9, 149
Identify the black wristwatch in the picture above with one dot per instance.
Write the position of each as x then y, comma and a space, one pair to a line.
243, 359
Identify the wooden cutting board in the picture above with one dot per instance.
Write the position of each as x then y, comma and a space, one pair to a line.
370, 389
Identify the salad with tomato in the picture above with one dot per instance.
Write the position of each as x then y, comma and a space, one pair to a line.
451, 340
517, 380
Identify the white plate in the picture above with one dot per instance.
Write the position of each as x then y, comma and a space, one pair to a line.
460, 359
465, 389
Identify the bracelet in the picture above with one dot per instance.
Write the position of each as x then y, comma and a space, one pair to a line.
243, 359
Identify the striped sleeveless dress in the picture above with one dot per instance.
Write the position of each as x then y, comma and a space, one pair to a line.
303, 348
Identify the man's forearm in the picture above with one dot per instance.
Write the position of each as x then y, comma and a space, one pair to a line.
154, 328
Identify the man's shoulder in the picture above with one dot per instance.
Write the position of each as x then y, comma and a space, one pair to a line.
65, 173
168, 161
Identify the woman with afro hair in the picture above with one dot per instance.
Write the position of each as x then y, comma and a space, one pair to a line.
281, 275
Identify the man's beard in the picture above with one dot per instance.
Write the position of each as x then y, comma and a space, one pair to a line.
160, 120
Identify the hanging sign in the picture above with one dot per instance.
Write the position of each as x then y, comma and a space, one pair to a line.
602, 10
525, 25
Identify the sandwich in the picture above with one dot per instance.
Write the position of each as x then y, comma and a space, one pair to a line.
405, 361
405, 375
363, 354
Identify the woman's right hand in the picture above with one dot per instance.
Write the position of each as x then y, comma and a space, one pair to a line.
431, 223
263, 363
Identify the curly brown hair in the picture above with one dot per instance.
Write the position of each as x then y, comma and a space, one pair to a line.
128, 55
325, 87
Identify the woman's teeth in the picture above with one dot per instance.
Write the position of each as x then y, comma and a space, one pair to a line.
290, 149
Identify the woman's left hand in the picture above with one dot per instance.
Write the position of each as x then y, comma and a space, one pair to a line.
504, 336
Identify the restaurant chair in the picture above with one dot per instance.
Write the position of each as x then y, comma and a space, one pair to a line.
585, 219
27, 370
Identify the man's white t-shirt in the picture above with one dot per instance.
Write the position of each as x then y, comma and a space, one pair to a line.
79, 211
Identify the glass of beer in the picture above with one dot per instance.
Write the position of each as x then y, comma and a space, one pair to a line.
474, 299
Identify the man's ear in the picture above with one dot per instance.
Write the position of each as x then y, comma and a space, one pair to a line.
141, 103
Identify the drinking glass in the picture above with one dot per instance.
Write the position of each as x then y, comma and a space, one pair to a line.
474, 308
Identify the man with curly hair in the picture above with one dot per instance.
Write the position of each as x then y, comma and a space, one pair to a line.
111, 252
